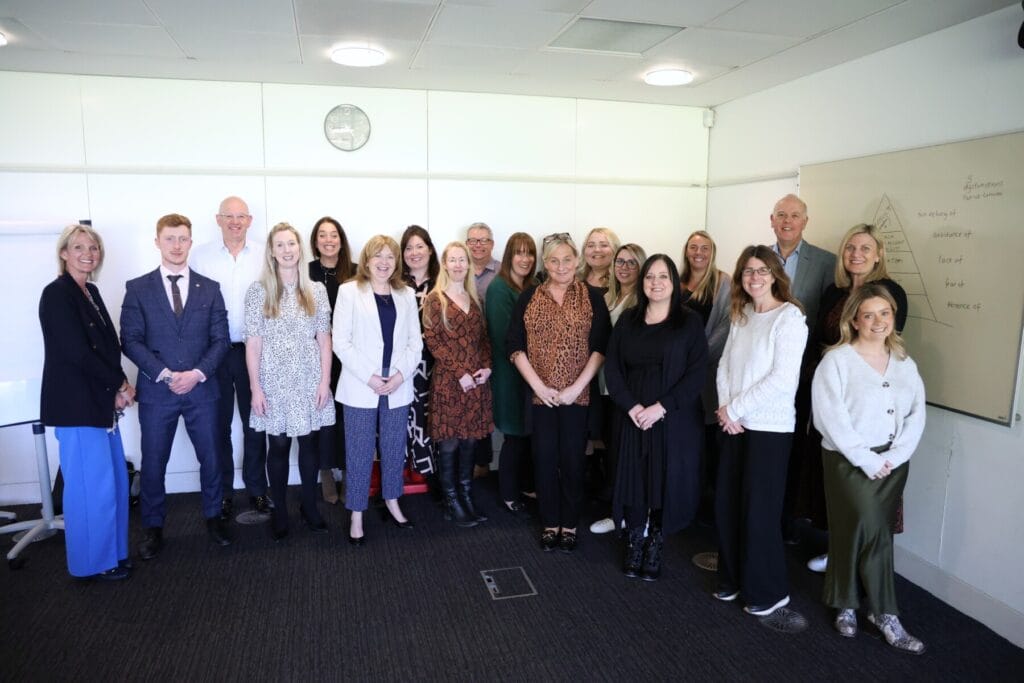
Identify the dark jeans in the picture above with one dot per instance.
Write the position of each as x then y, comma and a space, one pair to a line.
559, 447
233, 379
748, 504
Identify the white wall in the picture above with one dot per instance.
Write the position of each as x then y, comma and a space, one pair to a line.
124, 151
964, 541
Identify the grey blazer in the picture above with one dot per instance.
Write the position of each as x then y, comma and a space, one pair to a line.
814, 273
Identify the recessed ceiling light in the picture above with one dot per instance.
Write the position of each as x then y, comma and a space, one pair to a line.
668, 77
358, 56
3, 40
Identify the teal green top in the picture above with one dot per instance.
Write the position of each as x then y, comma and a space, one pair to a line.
507, 385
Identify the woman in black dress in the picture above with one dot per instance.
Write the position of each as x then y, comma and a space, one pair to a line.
657, 359
419, 270
331, 265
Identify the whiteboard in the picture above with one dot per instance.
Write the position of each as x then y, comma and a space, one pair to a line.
952, 217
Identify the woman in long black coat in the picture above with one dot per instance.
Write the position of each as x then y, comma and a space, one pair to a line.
655, 371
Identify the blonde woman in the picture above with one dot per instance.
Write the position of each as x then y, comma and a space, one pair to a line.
377, 338
460, 395
599, 249
288, 354
869, 406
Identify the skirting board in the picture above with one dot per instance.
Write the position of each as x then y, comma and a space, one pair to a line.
998, 616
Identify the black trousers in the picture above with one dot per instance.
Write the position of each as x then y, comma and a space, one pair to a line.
559, 447
515, 472
483, 452
232, 380
748, 503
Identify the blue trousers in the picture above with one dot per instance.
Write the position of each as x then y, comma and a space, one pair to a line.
363, 426
158, 422
95, 498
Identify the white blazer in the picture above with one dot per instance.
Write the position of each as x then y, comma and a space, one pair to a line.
359, 345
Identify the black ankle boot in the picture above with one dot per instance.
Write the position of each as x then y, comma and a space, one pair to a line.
634, 552
456, 512
652, 555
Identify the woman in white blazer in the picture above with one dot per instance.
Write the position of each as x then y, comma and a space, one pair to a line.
377, 339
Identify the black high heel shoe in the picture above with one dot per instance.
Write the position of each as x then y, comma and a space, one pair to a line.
385, 514
316, 526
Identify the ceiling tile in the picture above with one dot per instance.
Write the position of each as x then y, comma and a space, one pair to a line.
237, 46
567, 6
673, 12
21, 36
732, 48
263, 16
110, 39
364, 19
558, 64
799, 18
131, 12
465, 25
493, 59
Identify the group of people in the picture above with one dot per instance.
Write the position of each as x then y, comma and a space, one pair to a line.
683, 379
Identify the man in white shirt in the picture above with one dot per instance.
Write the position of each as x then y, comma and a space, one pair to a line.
235, 261
174, 328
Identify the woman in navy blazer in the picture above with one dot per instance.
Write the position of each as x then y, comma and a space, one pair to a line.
84, 391
377, 339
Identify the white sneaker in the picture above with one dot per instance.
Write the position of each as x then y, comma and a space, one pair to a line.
759, 611
602, 526
818, 564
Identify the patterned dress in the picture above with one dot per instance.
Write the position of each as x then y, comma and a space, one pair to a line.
465, 348
421, 447
290, 361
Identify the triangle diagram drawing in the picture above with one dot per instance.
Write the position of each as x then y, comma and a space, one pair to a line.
899, 258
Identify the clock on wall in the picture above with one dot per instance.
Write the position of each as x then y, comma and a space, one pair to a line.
347, 127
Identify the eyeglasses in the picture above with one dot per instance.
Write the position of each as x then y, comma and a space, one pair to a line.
626, 263
763, 271
557, 237
234, 216
479, 242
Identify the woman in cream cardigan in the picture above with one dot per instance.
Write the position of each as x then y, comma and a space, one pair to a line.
869, 407
377, 339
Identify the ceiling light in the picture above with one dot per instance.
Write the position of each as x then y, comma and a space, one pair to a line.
668, 77
3, 40
358, 56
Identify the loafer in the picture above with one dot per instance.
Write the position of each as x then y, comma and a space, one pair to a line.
765, 610
227, 507
548, 540
725, 594
260, 504
846, 623
217, 532
115, 574
567, 542
152, 543
818, 564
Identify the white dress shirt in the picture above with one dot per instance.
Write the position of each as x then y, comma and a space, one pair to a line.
234, 274
182, 284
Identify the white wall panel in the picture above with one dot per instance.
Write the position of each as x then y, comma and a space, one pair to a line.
534, 208
738, 215
138, 122
294, 119
656, 218
40, 119
640, 142
501, 134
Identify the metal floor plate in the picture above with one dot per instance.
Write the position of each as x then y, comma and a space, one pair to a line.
706, 561
508, 582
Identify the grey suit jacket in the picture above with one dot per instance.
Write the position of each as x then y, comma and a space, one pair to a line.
814, 273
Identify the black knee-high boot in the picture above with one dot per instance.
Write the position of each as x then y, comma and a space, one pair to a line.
466, 462
447, 454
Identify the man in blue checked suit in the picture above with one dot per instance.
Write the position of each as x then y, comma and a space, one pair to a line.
174, 328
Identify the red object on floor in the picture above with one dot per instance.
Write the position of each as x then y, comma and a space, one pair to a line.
412, 481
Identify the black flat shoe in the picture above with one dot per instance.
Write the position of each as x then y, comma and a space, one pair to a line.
359, 542
567, 543
279, 534
115, 574
517, 510
218, 531
548, 540
126, 563
317, 526
152, 543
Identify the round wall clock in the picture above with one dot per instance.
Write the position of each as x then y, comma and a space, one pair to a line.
347, 127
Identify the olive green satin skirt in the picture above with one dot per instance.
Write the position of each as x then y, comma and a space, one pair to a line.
860, 514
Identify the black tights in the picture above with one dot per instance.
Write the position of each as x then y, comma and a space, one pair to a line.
279, 447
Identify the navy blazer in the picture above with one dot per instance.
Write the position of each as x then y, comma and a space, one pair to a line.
154, 338
82, 359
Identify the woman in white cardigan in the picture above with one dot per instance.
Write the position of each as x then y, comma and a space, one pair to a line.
377, 339
757, 379
869, 406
